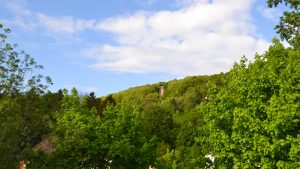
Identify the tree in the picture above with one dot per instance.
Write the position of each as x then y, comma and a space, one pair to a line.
254, 121
95, 103
77, 136
20, 117
16, 69
289, 25
128, 147
85, 140
158, 121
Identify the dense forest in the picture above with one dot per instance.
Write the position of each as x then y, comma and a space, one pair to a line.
248, 117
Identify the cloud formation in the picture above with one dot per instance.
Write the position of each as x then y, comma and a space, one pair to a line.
270, 13
205, 37
30, 20
66, 24
201, 37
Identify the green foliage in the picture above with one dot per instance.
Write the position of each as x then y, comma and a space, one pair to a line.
10, 133
91, 102
85, 140
23, 116
24, 123
247, 118
172, 119
17, 69
169, 160
254, 121
158, 122
289, 26
127, 146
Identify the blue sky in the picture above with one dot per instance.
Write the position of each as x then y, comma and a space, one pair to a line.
109, 46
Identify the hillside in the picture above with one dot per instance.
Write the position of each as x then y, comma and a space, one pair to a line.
248, 117
179, 96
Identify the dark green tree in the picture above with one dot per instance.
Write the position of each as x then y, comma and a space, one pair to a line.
20, 86
158, 121
92, 102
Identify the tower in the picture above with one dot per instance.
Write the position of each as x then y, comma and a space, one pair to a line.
161, 90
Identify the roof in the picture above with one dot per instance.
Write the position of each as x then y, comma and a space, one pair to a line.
44, 146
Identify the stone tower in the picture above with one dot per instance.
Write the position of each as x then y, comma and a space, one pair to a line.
161, 90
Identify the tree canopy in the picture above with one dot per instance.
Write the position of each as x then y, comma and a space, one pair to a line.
248, 117
289, 25
254, 121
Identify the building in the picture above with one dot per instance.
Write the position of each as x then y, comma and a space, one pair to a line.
161, 90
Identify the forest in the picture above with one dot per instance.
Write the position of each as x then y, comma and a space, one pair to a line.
248, 117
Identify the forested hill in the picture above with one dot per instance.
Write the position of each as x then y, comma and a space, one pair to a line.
171, 117
246, 118
184, 93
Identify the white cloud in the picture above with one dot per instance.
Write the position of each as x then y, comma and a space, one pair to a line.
30, 20
21, 14
66, 24
18, 8
203, 38
270, 13
20, 22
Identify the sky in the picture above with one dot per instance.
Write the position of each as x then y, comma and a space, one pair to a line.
106, 46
